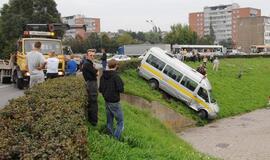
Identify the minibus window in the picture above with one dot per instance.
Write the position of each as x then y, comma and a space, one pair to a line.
155, 62
203, 94
174, 74
188, 83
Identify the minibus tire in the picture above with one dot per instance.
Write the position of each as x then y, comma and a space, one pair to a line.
203, 114
153, 84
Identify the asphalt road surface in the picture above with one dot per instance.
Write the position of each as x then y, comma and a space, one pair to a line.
8, 92
245, 137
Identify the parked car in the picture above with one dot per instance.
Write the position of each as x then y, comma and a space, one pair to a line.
120, 58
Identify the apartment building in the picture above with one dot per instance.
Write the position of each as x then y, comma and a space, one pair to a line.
240, 13
222, 18
92, 25
253, 31
196, 23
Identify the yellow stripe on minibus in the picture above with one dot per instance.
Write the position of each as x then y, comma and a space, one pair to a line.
176, 86
156, 73
182, 90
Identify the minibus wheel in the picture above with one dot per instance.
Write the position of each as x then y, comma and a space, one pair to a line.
202, 114
153, 83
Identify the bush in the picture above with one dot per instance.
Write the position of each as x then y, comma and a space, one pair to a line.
47, 123
132, 64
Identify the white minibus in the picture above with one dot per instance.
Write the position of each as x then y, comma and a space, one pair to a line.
179, 80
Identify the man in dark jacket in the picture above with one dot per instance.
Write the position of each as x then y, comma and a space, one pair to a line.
104, 59
90, 74
111, 86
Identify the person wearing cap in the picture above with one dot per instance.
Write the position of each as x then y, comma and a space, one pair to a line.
90, 74
52, 66
111, 85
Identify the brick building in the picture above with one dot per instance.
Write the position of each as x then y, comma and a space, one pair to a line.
253, 31
196, 23
223, 19
92, 25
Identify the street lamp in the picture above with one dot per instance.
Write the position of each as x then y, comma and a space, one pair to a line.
155, 28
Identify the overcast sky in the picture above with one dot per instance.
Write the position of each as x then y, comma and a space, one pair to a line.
132, 14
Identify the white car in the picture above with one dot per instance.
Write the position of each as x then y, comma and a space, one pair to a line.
120, 58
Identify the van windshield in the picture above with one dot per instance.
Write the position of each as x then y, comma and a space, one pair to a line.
203, 94
212, 100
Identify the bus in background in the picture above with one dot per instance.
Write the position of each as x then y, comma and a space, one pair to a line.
203, 50
260, 49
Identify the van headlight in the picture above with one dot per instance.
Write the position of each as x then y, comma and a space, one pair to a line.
60, 73
27, 74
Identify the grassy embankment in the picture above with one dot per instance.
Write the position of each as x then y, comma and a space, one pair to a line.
48, 123
144, 137
234, 95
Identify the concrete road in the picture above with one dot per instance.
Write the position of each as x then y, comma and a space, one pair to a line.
245, 137
8, 92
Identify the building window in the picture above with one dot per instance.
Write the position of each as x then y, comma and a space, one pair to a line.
155, 62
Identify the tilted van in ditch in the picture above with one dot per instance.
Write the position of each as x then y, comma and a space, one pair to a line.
180, 81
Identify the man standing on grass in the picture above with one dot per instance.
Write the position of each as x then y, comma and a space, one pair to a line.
111, 85
90, 74
215, 64
35, 62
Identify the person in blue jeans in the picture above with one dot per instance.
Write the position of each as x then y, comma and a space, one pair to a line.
71, 66
111, 85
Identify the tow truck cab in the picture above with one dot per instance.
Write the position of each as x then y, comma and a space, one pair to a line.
49, 43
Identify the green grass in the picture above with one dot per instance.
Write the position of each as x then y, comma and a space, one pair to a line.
234, 96
138, 86
143, 138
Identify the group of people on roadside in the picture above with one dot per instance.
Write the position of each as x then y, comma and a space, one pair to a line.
36, 62
111, 85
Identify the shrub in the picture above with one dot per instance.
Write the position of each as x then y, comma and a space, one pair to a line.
132, 64
47, 123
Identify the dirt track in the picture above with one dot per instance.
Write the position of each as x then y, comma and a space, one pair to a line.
245, 137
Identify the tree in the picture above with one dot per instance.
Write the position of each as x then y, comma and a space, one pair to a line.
205, 40
180, 35
153, 37
17, 13
228, 43
126, 38
141, 36
92, 41
212, 33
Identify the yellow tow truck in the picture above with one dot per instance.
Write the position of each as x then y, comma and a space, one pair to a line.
15, 70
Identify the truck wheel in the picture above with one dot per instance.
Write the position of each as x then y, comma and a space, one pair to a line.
18, 81
153, 83
202, 114
6, 80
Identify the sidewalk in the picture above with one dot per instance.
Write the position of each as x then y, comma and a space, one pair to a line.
245, 137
